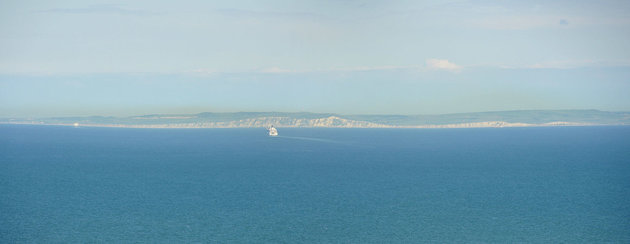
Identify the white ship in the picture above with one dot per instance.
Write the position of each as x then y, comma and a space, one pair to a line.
272, 131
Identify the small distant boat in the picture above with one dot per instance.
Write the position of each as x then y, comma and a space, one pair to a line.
272, 131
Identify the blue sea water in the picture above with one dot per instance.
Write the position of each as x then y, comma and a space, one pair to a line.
86, 185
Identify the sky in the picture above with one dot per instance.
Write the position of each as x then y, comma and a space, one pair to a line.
122, 58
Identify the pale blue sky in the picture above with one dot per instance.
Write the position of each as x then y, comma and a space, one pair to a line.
60, 58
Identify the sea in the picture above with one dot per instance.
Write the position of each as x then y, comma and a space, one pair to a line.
314, 185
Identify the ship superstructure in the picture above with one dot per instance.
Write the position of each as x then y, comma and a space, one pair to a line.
272, 131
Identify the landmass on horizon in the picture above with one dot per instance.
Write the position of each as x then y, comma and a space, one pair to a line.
517, 118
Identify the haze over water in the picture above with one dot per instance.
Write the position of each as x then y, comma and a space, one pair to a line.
77, 185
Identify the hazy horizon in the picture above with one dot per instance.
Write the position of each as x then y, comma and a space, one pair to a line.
178, 112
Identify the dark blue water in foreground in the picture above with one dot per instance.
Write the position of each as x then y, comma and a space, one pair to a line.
78, 185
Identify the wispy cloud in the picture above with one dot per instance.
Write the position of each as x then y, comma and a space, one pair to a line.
430, 65
99, 9
563, 64
376, 68
442, 64
520, 22
571, 64
240, 13
567, 64
203, 72
276, 70
527, 22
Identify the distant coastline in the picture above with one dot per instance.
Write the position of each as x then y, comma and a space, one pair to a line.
525, 118
490, 124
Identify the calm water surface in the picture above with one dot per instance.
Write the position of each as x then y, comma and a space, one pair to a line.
77, 185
